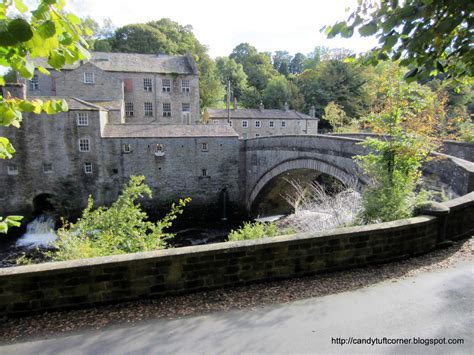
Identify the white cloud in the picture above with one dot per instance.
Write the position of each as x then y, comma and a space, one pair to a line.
268, 25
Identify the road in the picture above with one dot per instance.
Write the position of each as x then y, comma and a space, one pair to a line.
437, 305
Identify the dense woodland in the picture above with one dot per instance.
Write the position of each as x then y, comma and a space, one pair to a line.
320, 78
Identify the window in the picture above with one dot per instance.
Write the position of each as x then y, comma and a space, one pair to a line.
127, 148
257, 124
47, 168
166, 110
271, 124
204, 172
185, 107
204, 147
148, 109
89, 78
245, 124
147, 85
159, 148
12, 170
257, 134
88, 168
166, 85
34, 84
129, 109
185, 86
230, 123
283, 123
84, 145
82, 119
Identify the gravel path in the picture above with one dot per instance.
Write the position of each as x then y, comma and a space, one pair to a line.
245, 297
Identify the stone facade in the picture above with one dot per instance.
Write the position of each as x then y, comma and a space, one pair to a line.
98, 144
261, 122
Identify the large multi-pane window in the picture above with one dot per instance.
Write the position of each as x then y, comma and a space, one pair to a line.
166, 85
245, 124
185, 87
89, 78
271, 124
34, 83
185, 107
82, 119
257, 124
148, 109
147, 84
84, 145
12, 170
47, 168
166, 109
129, 112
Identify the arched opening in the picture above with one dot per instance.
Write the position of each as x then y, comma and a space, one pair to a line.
273, 198
43, 204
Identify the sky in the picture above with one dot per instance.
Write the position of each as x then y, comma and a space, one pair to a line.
268, 25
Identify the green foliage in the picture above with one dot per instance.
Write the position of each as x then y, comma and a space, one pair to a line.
121, 228
48, 32
429, 36
335, 115
230, 70
394, 164
254, 230
277, 92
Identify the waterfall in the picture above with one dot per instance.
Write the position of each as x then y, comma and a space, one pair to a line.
39, 233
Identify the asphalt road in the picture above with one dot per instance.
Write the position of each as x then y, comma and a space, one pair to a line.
437, 305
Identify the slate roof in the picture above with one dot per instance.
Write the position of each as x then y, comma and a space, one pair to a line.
73, 102
115, 105
257, 114
130, 130
136, 63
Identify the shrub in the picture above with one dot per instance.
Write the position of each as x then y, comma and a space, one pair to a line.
257, 230
122, 228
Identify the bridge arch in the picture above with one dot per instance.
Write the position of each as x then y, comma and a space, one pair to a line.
304, 163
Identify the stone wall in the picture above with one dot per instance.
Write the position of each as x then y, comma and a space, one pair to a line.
86, 282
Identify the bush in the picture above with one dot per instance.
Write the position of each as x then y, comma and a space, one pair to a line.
256, 230
122, 228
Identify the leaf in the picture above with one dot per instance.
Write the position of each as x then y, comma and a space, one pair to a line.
47, 29
6, 148
56, 60
20, 6
73, 19
43, 70
368, 29
390, 41
20, 30
2, 80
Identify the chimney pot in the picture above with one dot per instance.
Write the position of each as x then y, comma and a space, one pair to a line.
261, 107
286, 107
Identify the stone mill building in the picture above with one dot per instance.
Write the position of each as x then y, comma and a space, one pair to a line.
129, 114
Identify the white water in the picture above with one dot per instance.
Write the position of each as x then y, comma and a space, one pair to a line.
39, 233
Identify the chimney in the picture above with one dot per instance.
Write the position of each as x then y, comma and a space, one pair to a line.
235, 104
312, 112
261, 107
286, 107
14, 90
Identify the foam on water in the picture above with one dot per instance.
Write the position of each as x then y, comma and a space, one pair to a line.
39, 233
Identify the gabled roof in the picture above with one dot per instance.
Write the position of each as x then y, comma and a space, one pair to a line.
136, 63
257, 114
135, 130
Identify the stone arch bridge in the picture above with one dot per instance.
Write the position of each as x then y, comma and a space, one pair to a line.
264, 158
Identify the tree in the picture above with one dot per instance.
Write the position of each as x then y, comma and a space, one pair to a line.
230, 70
100, 39
297, 63
335, 115
277, 92
48, 32
281, 62
429, 37
337, 81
